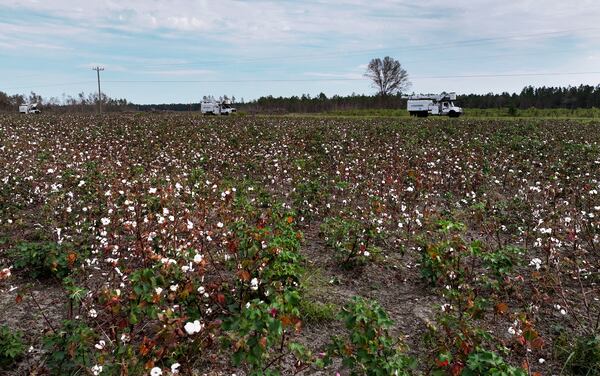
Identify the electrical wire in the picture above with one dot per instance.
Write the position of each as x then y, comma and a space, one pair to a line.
311, 79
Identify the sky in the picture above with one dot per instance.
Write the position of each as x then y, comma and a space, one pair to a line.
176, 51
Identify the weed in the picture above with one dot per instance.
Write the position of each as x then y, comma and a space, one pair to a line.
369, 348
12, 347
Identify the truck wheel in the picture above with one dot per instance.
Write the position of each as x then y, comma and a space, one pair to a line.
453, 114
422, 114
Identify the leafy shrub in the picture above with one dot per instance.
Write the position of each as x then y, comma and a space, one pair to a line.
501, 263
46, 259
482, 362
258, 334
441, 259
12, 347
351, 240
369, 349
267, 257
70, 348
265, 312
308, 197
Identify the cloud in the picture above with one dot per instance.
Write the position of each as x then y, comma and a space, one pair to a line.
350, 76
349, 23
179, 72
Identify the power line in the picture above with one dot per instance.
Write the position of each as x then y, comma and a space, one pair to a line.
513, 75
356, 79
49, 85
319, 79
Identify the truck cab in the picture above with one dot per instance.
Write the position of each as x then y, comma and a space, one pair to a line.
446, 108
226, 108
29, 109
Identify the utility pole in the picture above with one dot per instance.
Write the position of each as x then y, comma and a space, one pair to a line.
98, 69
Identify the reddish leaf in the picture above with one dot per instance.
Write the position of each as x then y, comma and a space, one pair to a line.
244, 275
456, 369
501, 308
442, 363
149, 364
537, 343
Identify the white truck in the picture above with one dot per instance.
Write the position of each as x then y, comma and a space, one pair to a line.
210, 106
423, 105
29, 109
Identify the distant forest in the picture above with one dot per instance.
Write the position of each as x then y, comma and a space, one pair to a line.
583, 96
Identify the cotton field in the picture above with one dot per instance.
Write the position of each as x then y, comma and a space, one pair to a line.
176, 244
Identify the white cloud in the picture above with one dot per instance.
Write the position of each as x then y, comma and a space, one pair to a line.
351, 23
350, 76
179, 72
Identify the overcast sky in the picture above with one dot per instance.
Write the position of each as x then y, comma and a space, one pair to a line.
178, 51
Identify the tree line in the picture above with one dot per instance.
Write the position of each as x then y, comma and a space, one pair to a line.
571, 97
583, 96
82, 102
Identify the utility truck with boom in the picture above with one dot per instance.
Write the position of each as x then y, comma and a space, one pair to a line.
210, 106
29, 109
423, 105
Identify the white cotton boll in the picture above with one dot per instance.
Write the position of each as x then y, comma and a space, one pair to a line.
536, 262
189, 328
96, 370
193, 327
100, 345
